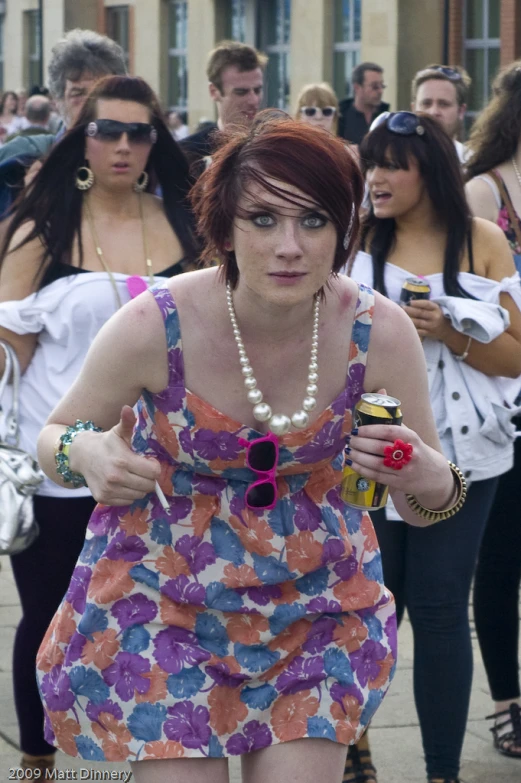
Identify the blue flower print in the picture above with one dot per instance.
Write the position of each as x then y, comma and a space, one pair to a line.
92, 550
336, 664
360, 335
269, 570
94, 619
260, 697
211, 634
373, 702
135, 639
220, 597
187, 683
215, 749
161, 532
88, 750
321, 727
255, 657
373, 569
281, 518
313, 583
85, 682
140, 573
226, 542
146, 721
285, 615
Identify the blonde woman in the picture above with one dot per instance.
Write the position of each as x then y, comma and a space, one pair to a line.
317, 105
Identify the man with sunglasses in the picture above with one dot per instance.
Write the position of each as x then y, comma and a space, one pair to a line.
357, 114
441, 91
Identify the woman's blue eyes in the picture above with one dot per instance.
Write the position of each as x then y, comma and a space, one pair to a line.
309, 221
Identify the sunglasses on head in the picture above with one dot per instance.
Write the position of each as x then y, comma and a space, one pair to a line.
311, 111
262, 456
450, 73
112, 130
404, 123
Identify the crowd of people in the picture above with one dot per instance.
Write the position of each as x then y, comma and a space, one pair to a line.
199, 588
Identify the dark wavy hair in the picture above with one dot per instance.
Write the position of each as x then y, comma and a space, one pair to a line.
288, 152
5, 96
54, 204
496, 131
440, 170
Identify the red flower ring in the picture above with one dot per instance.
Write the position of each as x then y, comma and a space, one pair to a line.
397, 455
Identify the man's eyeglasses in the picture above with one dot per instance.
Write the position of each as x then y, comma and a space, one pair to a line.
112, 130
312, 111
404, 123
451, 73
376, 85
262, 456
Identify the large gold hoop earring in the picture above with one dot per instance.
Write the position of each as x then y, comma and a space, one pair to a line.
84, 178
142, 183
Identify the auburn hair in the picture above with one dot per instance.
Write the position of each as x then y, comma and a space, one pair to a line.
276, 153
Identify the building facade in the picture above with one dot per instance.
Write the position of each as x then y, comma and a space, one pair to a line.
166, 41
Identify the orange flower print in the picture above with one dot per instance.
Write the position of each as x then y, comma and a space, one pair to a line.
291, 638
207, 417
255, 534
157, 690
278, 667
135, 523
110, 581
366, 526
350, 710
163, 750
204, 508
173, 613
246, 628
357, 593
320, 482
385, 669
50, 654
66, 624
113, 735
226, 709
350, 633
289, 717
218, 465
165, 479
65, 729
240, 576
345, 731
171, 563
165, 433
288, 594
102, 649
304, 554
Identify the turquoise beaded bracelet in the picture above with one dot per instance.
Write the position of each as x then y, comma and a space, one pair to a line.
61, 456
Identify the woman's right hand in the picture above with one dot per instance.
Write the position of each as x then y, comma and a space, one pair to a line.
114, 473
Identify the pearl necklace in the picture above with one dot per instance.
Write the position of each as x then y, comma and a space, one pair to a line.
278, 423
516, 170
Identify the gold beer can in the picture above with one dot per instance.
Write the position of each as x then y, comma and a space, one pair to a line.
357, 490
415, 288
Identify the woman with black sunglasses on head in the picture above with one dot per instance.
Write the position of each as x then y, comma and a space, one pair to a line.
419, 226
248, 617
87, 235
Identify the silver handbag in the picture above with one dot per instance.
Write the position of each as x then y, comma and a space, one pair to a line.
20, 475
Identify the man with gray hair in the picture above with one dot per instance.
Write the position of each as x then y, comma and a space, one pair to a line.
78, 60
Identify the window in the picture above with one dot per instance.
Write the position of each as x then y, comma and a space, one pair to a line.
177, 54
347, 33
32, 33
117, 26
482, 43
275, 41
239, 21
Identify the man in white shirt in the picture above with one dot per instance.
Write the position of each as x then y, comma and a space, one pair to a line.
441, 91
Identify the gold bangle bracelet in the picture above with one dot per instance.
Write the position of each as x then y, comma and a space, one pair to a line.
438, 516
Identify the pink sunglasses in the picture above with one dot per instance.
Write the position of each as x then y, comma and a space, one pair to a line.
262, 456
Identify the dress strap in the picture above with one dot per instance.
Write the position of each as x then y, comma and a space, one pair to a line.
359, 348
168, 310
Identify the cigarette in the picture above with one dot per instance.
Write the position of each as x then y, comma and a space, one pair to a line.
161, 497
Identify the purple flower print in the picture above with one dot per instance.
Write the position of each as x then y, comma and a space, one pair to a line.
136, 610
262, 595
301, 674
209, 485
93, 710
221, 675
211, 445
185, 441
128, 548
75, 648
327, 442
196, 554
347, 568
126, 674
391, 631
179, 509
254, 737
333, 550
307, 514
365, 661
338, 405
175, 647
334, 499
104, 520
184, 591
322, 606
319, 635
356, 381
338, 692
76, 595
56, 689
187, 725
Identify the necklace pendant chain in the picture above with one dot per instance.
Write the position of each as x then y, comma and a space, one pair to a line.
516, 170
278, 423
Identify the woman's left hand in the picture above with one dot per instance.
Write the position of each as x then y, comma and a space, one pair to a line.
428, 319
426, 475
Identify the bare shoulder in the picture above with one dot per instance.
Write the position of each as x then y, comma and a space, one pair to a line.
493, 257
482, 198
199, 286
21, 266
484, 231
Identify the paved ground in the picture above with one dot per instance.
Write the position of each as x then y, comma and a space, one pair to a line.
395, 735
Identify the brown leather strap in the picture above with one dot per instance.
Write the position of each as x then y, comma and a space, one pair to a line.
505, 198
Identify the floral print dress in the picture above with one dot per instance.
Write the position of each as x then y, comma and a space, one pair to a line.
213, 630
